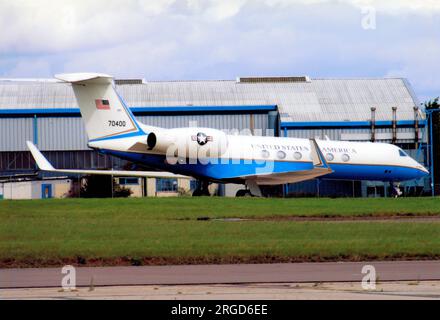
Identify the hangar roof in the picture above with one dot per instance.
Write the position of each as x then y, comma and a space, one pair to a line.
299, 99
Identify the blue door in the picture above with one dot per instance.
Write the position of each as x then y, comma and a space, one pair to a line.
46, 191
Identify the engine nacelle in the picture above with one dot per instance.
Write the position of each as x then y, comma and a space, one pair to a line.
188, 143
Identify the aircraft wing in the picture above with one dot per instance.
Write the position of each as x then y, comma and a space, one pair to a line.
44, 165
320, 168
289, 177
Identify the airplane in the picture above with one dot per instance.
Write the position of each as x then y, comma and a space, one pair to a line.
211, 155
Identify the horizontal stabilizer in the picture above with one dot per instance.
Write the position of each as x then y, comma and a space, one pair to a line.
85, 77
44, 165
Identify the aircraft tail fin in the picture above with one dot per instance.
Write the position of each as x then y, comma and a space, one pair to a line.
104, 113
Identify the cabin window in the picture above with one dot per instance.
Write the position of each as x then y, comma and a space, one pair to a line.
345, 157
329, 156
265, 153
297, 155
281, 154
402, 153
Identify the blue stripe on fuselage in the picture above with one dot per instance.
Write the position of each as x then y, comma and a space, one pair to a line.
120, 136
215, 169
239, 168
373, 172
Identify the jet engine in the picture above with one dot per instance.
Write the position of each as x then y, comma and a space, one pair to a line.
192, 143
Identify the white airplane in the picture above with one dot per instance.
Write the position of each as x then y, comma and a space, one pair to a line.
211, 155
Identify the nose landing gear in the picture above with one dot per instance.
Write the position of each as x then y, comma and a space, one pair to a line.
396, 192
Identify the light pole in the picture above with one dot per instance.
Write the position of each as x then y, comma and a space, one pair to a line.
429, 113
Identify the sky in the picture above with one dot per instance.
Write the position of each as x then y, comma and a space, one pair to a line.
223, 39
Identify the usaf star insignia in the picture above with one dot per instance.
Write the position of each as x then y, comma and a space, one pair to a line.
201, 138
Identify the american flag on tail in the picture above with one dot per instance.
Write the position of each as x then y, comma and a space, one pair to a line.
102, 104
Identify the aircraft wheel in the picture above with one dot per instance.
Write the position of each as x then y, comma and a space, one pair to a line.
201, 193
243, 193
202, 190
197, 193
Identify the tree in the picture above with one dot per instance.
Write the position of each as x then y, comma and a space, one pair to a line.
432, 104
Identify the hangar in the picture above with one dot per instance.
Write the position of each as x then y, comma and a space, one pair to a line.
385, 109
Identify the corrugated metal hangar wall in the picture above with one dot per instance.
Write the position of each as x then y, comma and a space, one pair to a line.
384, 110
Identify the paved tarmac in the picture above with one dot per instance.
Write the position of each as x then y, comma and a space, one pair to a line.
403, 290
222, 274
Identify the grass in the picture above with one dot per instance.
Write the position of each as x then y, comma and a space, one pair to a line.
215, 207
166, 230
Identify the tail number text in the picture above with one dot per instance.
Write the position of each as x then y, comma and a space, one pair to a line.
113, 123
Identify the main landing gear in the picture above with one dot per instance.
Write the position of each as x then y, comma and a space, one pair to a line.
243, 193
202, 189
252, 191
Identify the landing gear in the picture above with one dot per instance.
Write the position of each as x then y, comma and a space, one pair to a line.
252, 191
202, 189
243, 193
254, 188
396, 192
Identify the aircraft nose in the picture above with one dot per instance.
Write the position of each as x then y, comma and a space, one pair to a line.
422, 170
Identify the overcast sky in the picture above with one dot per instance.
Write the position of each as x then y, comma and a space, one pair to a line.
223, 39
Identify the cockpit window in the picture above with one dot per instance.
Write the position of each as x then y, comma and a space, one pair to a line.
402, 153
